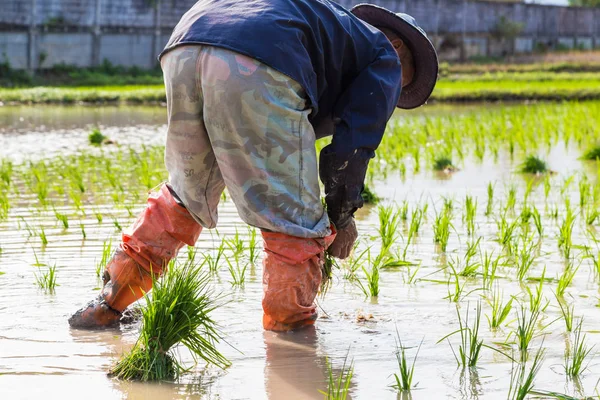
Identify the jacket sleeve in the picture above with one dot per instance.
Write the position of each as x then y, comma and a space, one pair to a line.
361, 115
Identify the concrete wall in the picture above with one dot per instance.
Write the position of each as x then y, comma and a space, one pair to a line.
132, 32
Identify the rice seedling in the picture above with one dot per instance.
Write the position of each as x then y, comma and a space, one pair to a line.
524, 258
537, 220
236, 245
500, 310
547, 187
238, 274
63, 218
404, 211
591, 216
592, 154
354, 263
117, 225
213, 261
368, 196
178, 312
511, 199
575, 359
106, 254
338, 386
253, 251
526, 329
441, 228
567, 313
82, 228
443, 164
471, 344
42, 235
470, 213
506, 230
388, 226
47, 279
96, 137
565, 279
489, 268
584, 192
457, 293
372, 275
522, 379
489, 208
327, 273
533, 165
537, 301
404, 377
565, 235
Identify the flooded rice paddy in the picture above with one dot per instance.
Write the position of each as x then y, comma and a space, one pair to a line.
532, 239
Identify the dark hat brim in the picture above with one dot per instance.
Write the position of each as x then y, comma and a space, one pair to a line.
424, 55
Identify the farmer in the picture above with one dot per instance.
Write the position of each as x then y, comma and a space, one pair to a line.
250, 86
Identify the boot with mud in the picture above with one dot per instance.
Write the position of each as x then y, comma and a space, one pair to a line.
291, 280
163, 228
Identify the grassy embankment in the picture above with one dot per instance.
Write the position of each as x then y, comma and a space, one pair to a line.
458, 83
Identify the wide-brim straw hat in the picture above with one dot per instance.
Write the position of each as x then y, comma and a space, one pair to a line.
423, 52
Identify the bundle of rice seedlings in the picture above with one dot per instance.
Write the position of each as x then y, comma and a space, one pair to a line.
96, 137
443, 164
178, 312
533, 165
592, 154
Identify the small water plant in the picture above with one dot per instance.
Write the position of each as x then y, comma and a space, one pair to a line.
575, 358
500, 310
406, 369
533, 165
388, 226
178, 312
470, 213
106, 253
522, 378
96, 137
471, 344
47, 279
441, 228
338, 385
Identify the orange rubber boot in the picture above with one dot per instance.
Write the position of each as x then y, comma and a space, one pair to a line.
291, 280
156, 236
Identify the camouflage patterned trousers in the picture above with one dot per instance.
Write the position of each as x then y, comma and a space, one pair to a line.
237, 123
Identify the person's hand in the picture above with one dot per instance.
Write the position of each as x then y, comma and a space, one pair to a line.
344, 241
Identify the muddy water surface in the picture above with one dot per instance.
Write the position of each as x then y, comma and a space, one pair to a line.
41, 357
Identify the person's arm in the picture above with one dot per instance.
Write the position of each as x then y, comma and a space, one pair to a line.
361, 115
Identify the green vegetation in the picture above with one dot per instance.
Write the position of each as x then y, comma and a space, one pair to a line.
533, 165
96, 137
338, 385
178, 312
47, 279
575, 358
459, 83
404, 377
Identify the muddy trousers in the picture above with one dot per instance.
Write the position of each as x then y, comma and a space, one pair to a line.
234, 122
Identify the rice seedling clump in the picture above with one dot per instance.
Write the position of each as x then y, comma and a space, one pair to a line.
592, 154
96, 137
176, 313
442, 164
534, 165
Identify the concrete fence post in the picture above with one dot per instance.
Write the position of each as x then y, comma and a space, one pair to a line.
463, 39
96, 34
31, 61
157, 31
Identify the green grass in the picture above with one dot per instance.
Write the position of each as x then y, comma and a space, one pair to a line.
98, 88
178, 312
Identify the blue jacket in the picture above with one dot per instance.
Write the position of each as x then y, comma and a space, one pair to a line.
349, 69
